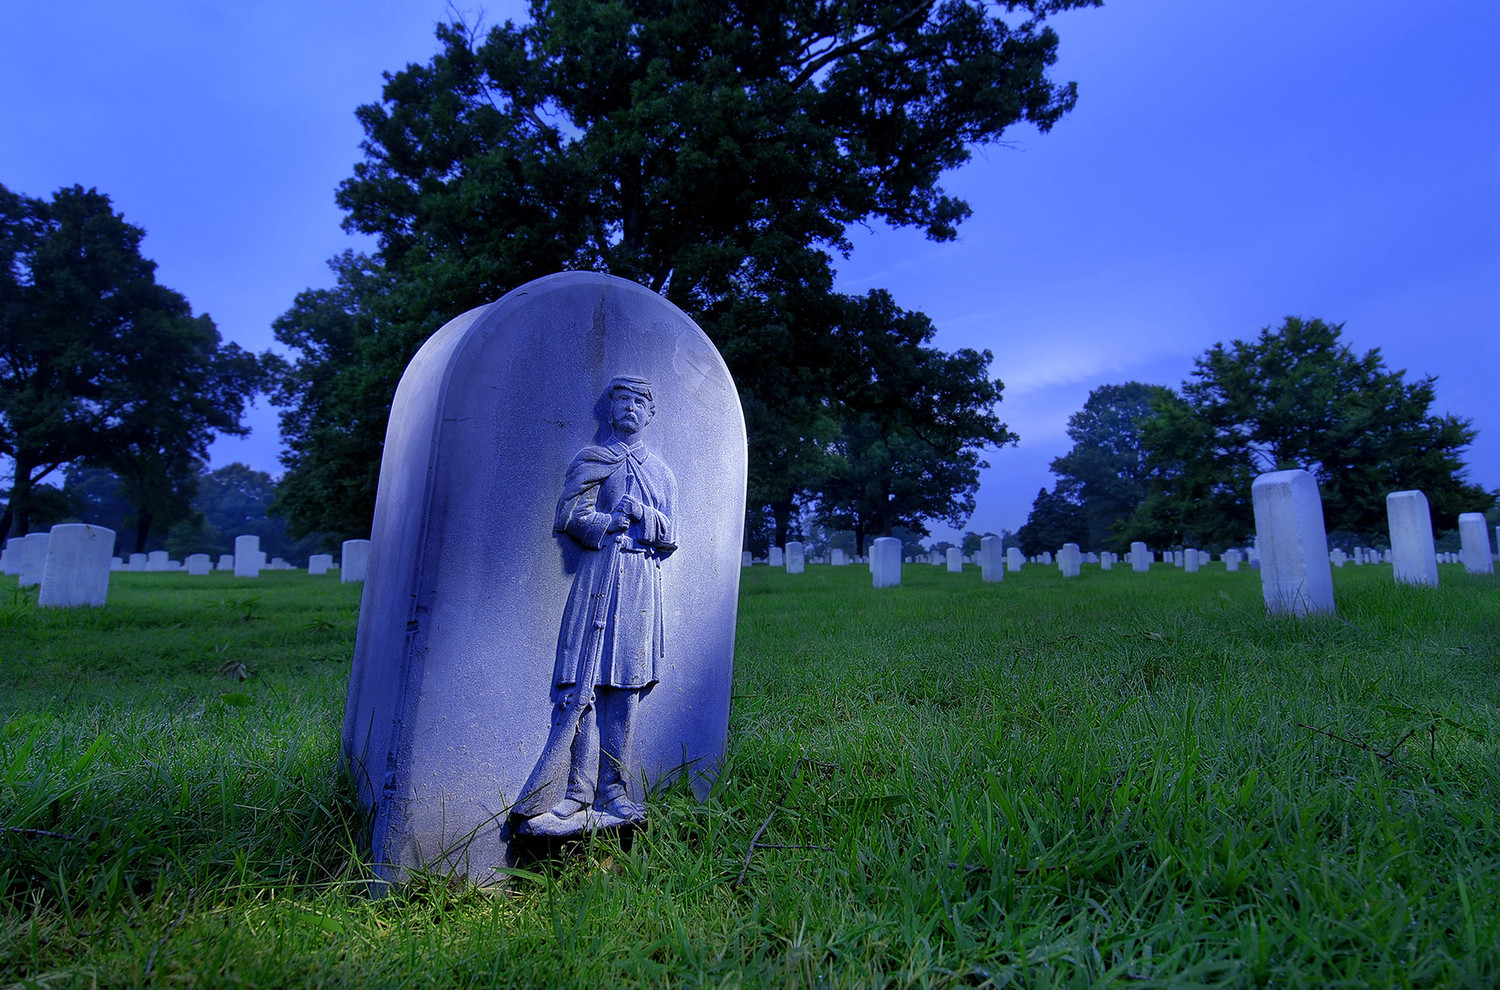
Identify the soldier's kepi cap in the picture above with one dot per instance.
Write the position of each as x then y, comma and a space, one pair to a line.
631, 384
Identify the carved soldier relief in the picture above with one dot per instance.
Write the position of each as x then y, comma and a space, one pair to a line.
618, 506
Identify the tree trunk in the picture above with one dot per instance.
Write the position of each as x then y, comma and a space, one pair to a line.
142, 529
782, 513
17, 512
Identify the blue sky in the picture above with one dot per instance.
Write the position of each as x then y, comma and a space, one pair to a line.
1229, 163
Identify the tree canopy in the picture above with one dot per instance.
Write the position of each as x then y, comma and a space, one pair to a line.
98, 362
714, 152
1298, 397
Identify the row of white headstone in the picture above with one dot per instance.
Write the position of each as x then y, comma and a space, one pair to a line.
1295, 562
71, 563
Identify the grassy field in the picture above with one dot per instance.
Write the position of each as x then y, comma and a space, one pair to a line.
1120, 779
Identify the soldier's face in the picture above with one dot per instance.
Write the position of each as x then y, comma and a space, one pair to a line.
629, 412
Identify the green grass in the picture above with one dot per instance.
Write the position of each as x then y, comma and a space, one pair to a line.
1120, 779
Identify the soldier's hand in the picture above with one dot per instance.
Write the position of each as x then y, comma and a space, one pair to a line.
618, 522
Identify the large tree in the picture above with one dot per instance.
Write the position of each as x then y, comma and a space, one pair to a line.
1298, 397
1105, 471
99, 363
714, 152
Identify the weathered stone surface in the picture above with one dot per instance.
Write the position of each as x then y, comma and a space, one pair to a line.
796, 557
248, 560
459, 696
1474, 534
1412, 549
1295, 577
992, 559
199, 564
885, 562
319, 563
33, 559
955, 559
76, 570
354, 560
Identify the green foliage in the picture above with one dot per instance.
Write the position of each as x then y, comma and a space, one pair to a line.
1113, 780
1055, 519
1297, 397
1105, 471
99, 363
714, 152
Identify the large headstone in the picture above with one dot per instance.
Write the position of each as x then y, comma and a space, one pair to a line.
1474, 534
992, 559
561, 503
76, 571
885, 562
1294, 574
248, 560
199, 564
33, 559
354, 560
1413, 553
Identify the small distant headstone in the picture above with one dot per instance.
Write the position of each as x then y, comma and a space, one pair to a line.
885, 562
796, 557
137, 562
746, 558
992, 553
319, 563
226, 562
117, 563
547, 628
1140, 557
1474, 534
1231, 560
33, 559
1190, 560
1107, 561
248, 559
1070, 560
199, 564
955, 560
1412, 548
1014, 558
354, 560
840, 559
156, 560
14, 548
776, 559
1295, 577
